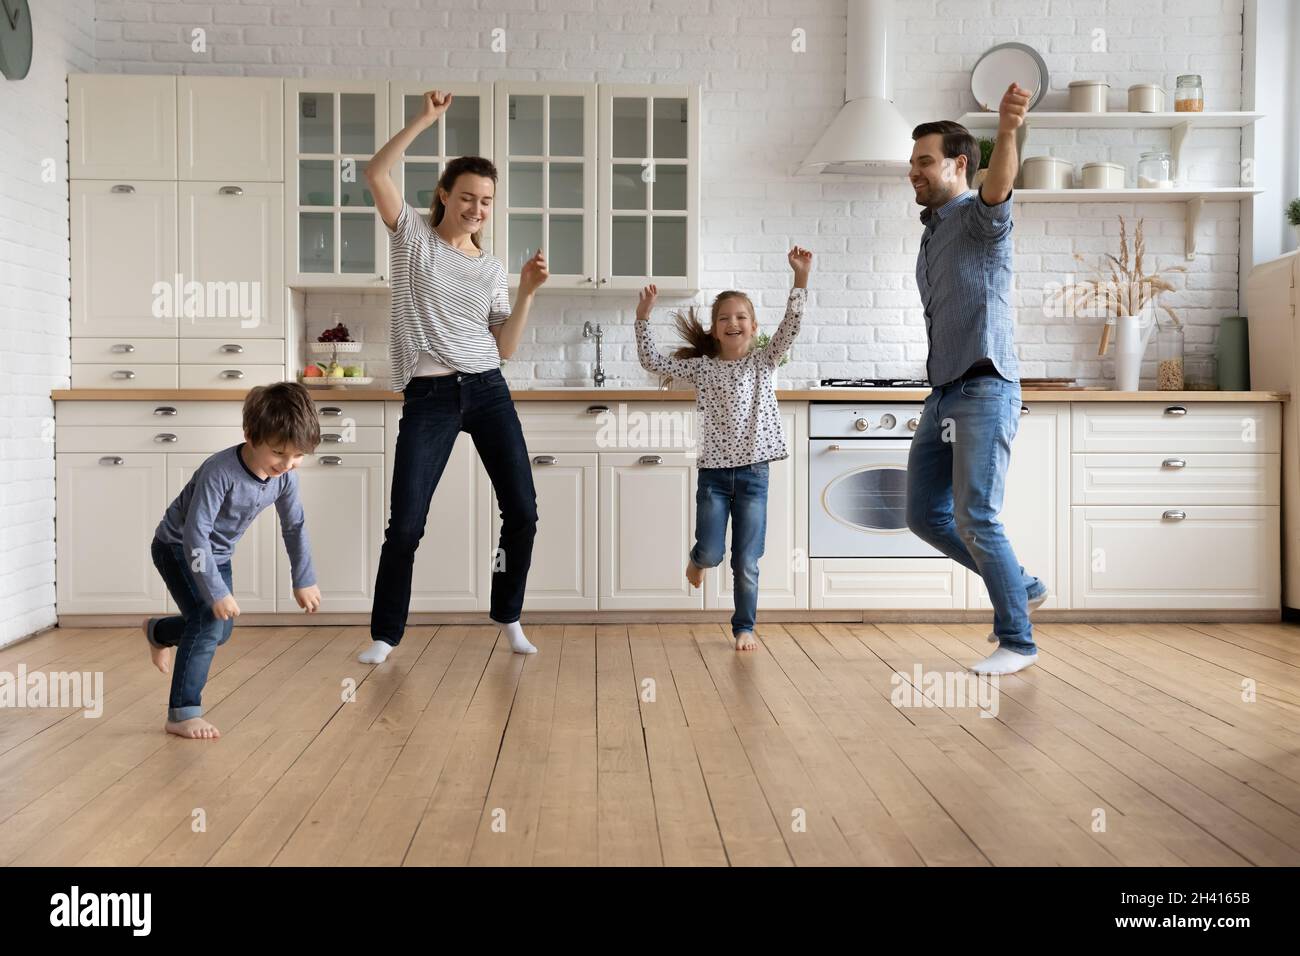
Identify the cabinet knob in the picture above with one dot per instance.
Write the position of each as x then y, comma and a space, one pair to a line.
123, 188
545, 460
1176, 410
589, 279
651, 460
124, 374
231, 190
165, 438
913, 424
597, 409
232, 373
861, 424
603, 281
330, 411
233, 349
165, 410
1175, 463
112, 460
333, 438
123, 347
331, 460
1174, 515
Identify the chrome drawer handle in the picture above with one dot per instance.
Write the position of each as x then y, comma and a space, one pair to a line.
123, 374
112, 460
1174, 515
165, 410
333, 438
597, 409
1024, 409
331, 460
835, 447
233, 349
330, 411
165, 438
1174, 463
1176, 410
232, 373
545, 460
123, 188
231, 190
651, 460
124, 347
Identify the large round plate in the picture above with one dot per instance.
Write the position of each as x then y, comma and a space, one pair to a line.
1002, 65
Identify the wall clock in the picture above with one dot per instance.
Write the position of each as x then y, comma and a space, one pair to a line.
15, 39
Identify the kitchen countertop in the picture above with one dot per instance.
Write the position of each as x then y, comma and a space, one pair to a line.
652, 394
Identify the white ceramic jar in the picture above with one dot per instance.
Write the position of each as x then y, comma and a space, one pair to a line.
1046, 172
1146, 98
1103, 176
1088, 96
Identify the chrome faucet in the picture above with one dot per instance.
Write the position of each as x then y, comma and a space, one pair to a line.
590, 331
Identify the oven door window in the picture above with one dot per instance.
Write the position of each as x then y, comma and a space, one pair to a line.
870, 499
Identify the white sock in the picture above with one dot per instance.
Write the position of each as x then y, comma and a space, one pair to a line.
1003, 661
515, 635
376, 653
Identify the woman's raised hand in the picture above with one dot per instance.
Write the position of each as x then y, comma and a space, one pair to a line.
801, 262
534, 273
645, 302
435, 104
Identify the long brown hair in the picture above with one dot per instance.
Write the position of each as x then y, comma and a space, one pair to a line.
699, 340
447, 182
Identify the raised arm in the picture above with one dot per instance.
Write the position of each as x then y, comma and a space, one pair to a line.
652, 360
1004, 162
800, 260
388, 200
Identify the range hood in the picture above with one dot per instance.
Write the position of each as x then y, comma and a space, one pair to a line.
869, 136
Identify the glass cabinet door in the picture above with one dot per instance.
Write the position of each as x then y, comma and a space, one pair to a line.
336, 238
464, 130
649, 186
546, 199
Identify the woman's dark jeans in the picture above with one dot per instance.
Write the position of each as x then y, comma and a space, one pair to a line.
435, 409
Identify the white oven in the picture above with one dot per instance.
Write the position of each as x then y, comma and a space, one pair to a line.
857, 461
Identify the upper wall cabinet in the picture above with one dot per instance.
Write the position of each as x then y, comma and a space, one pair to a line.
648, 225
231, 128
121, 127
464, 130
334, 236
546, 197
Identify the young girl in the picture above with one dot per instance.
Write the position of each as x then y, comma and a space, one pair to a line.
738, 424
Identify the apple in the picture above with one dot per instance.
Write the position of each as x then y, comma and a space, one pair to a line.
312, 371
352, 371
336, 372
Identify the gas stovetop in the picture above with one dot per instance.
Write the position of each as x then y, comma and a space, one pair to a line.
874, 383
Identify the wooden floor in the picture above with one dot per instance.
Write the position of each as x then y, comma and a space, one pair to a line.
647, 745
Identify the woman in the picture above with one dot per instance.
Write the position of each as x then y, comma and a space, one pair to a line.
451, 326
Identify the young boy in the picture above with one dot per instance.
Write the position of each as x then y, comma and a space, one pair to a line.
194, 541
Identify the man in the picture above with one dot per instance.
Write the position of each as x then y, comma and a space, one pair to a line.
957, 467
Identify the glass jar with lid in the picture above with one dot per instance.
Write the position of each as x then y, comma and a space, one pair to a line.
1189, 95
1155, 170
1169, 356
1201, 372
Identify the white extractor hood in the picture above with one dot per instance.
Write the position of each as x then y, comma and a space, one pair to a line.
869, 137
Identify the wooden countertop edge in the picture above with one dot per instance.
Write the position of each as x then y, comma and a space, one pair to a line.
614, 395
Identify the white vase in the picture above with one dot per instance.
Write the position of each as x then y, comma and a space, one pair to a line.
1132, 334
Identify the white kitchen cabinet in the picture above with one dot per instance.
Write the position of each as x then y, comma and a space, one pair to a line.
648, 175
647, 523
464, 130
106, 510
562, 575
783, 568
343, 497
1197, 478
1176, 557
124, 263
1176, 427
126, 374
252, 566
232, 245
334, 236
886, 584
453, 563
546, 197
121, 127
230, 128
1036, 502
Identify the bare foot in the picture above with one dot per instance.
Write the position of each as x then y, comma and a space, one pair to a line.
745, 641
196, 728
161, 656
694, 574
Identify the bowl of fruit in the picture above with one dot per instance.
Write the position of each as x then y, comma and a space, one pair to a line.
333, 341
333, 375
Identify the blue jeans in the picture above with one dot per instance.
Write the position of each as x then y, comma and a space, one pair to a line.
956, 474
195, 633
740, 493
435, 410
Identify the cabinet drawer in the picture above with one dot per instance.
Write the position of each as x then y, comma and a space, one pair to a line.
608, 425
902, 583
333, 414
1177, 427
134, 351
224, 351
162, 438
1145, 557
230, 376
162, 416
124, 376
1176, 480
349, 440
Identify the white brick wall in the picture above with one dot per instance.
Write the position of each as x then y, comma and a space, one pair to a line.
34, 306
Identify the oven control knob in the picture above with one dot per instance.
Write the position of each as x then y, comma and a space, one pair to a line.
888, 421
913, 424
861, 424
